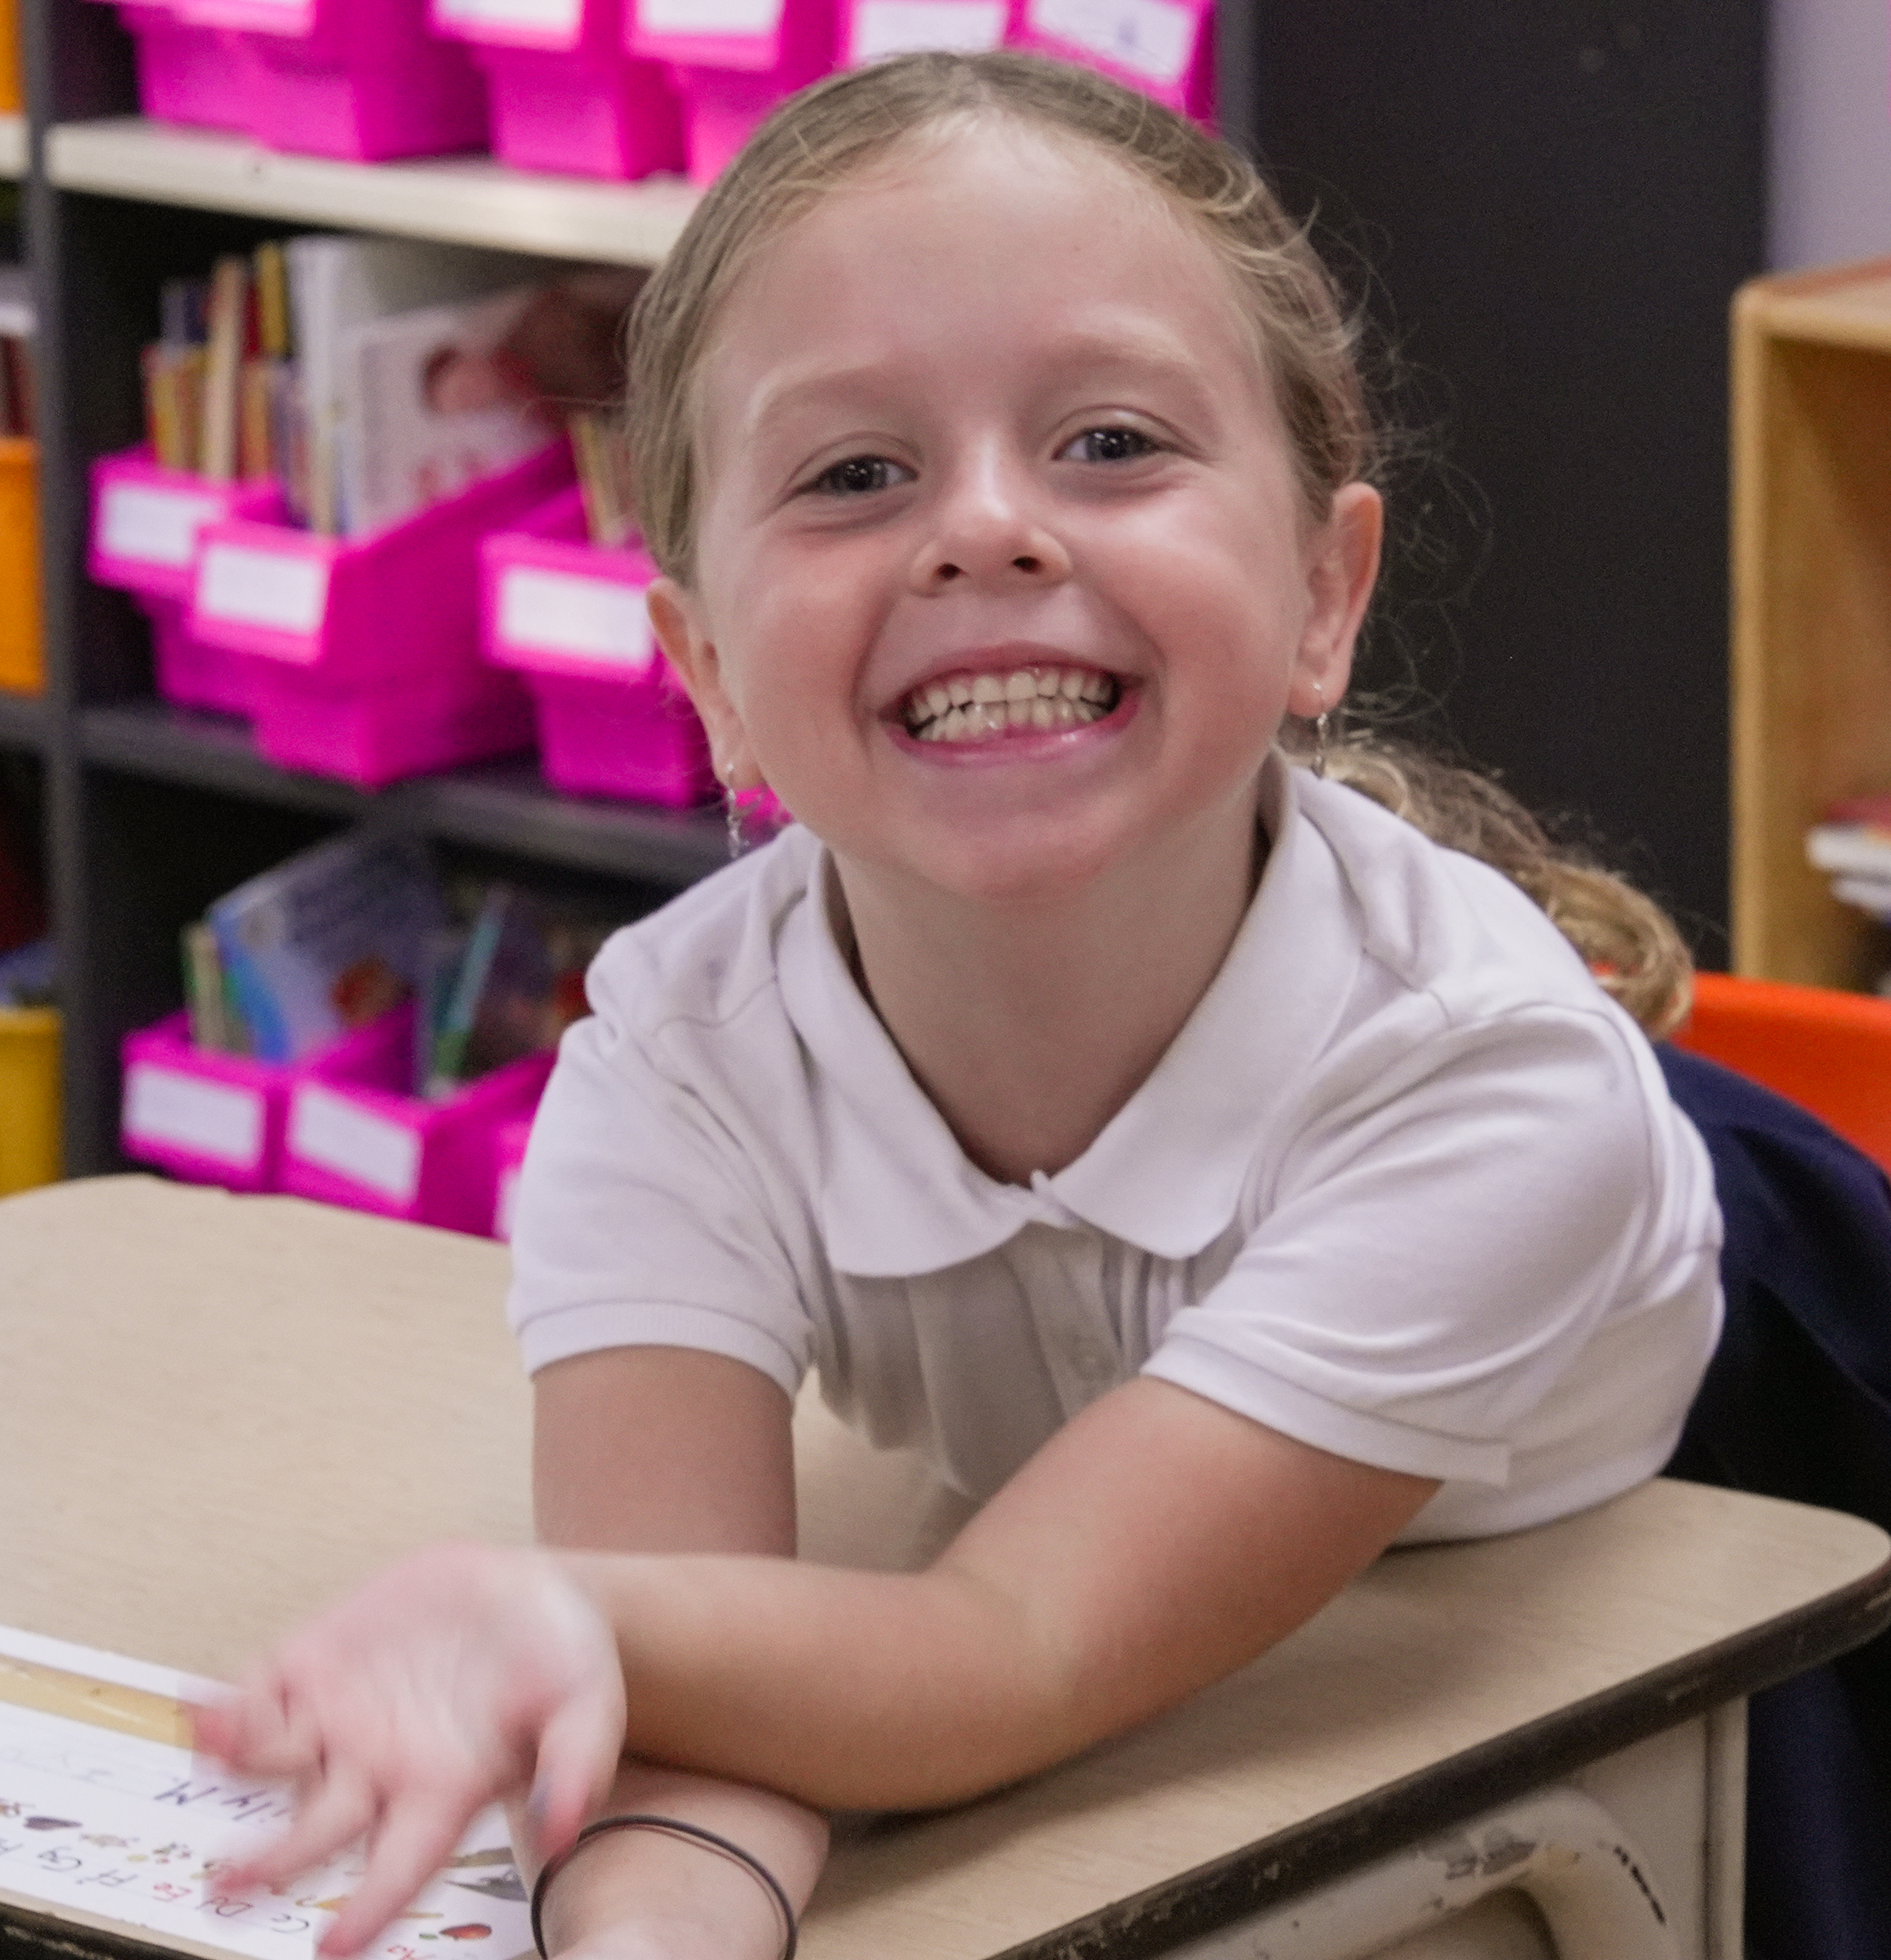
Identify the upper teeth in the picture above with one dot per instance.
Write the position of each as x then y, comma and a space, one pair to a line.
966, 705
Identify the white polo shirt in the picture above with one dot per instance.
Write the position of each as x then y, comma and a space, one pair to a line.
1407, 1186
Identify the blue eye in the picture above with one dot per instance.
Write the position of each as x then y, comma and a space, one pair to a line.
1111, 443
859, 476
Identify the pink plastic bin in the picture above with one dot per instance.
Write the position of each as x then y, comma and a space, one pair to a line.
368, 648
360, 79
353, 1135
146, 526
565, 95
613, 719
185, 73
733, 62
215, 1118
374, 736
873, 29
509, 1154
1166, 48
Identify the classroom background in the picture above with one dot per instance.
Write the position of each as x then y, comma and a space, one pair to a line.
332, 735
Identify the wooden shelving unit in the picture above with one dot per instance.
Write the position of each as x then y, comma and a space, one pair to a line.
1812, 607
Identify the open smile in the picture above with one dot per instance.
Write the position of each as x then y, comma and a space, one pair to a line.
1026, 700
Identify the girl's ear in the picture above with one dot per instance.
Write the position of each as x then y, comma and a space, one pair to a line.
1342, 566
675, 620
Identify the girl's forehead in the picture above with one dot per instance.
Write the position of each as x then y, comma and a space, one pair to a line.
986, 227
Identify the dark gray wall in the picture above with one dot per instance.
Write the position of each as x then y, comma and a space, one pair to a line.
1557, 200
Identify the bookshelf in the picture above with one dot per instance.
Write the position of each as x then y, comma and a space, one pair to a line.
1811, 607
465, 200
150, 811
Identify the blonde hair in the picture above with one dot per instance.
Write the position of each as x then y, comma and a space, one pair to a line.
1304, 337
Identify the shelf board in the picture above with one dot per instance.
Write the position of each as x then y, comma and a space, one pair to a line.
502, 805
468, 200
24, 720
13, 146
1849, 306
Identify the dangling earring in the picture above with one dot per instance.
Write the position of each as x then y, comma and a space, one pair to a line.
732, 813
1322, 726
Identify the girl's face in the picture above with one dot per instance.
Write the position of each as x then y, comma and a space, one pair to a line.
1003, 575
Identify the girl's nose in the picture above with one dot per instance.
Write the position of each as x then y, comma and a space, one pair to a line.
988, 531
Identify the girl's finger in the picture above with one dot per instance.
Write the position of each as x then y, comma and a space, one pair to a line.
338, 1808
255, 1731
577, 1759
415, 1838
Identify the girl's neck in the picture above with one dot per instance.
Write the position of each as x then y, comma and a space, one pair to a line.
1031, 1024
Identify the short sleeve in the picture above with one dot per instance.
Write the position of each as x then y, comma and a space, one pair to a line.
643, 1216
1441, 1250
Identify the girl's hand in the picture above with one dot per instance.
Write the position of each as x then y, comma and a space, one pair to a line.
462, 1676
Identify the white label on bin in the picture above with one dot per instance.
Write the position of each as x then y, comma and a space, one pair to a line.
153, 526
1153, 38
554, 17
189, 1113
336, 1134
565, 612
883, 27
508, 1199
709, 16
281, 590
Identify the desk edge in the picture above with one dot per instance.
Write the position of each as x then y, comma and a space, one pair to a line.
1272, 1870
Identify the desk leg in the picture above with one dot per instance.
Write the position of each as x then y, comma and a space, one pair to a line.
1636, 1856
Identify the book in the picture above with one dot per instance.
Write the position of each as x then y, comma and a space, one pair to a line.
114, 1836
602, 461
1862, 848
18, 410
226, 344
425, 408
503, 998
327, 940
337, 284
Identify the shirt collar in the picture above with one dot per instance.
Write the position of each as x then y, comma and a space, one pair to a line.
898, 1196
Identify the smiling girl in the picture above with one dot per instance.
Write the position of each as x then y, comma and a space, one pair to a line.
1217, 1179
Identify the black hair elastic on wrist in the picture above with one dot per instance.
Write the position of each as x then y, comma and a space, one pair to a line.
643, 1821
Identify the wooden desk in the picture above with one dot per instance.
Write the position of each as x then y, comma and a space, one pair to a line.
218, 1412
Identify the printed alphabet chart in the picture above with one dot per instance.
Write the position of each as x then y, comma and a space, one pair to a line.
107, 1820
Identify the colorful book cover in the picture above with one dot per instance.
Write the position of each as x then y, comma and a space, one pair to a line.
327, 940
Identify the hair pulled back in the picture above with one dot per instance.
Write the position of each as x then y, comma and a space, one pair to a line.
1303, 334
835, 132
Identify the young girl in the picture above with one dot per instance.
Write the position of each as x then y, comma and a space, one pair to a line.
1214, 1177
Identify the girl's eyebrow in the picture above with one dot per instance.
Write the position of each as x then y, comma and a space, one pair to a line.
1139, 352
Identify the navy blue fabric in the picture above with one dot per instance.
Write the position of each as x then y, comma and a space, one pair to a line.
1797, 1403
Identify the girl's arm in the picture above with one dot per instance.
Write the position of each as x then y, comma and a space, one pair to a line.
657, 1450
644, 1450
1155, 1543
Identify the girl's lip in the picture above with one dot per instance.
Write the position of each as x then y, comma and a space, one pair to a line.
1020, 745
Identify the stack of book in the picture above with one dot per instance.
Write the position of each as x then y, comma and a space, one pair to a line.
339, 935
1854, 845
371, 377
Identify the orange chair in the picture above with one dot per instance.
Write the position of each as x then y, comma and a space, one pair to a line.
1828, 1051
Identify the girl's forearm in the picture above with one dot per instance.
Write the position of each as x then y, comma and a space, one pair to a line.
631, 1893
848, 1690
